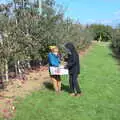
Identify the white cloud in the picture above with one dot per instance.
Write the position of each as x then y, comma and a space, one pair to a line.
91, 21
106, 22
114, 20
117, 13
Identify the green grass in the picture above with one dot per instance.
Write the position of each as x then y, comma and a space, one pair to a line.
100, 83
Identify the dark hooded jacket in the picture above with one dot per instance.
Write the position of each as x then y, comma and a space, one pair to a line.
73, 59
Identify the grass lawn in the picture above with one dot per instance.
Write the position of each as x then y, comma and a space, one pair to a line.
100, 83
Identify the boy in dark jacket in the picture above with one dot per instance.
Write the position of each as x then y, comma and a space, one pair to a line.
73, 66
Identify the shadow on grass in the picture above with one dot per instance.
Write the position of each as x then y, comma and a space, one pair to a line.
49, 86
115, 55
65, 88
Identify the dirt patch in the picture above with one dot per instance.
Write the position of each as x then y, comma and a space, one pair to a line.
19, 88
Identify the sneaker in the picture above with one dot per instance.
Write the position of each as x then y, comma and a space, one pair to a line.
72, 94
79, 94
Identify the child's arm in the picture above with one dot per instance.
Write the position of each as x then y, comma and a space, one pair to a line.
52, 61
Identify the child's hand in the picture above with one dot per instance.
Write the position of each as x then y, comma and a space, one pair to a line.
65, 67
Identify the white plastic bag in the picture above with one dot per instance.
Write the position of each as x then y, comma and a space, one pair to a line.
58, 70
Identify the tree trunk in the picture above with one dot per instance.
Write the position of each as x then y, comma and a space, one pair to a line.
23, 3
100, 39
40, 6
14, 4
2, 76
28, 64
19, 70
1, 79
16, 70
6, 70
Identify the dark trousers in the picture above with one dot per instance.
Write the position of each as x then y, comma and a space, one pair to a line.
74, 85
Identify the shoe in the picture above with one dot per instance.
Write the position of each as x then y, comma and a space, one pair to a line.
79, 94
72, 94
58, 92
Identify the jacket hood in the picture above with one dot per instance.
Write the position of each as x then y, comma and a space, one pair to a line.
70, 47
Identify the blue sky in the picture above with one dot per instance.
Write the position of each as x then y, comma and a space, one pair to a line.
91, 11
4, 1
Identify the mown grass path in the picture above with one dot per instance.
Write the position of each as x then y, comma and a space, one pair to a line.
100, 83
